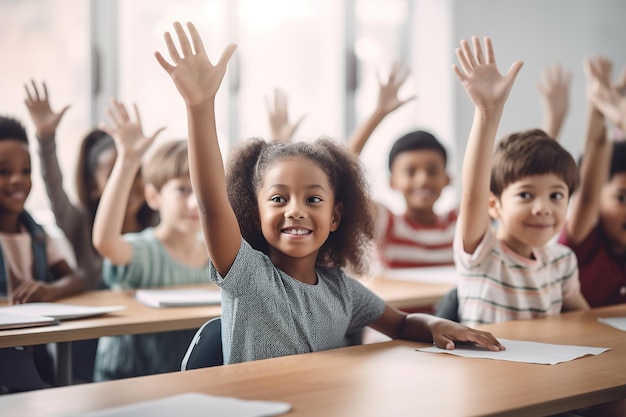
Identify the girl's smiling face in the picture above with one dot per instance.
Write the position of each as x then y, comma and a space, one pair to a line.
297, 209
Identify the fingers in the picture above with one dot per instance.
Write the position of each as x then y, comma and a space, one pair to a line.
198, 46
484, 339
185, 46
478, 51
156, 133
620, 85
171, 48
227, 55
514, 69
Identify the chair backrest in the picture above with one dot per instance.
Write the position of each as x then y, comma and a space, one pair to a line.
205, 348
448, 306
19, 372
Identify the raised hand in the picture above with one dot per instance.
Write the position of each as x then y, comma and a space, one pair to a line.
388, 100
554, 89
281, 129
195, 77
607, 97
129, 138
480, 77
45, 119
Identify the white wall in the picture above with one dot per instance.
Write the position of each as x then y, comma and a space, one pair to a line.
539, 32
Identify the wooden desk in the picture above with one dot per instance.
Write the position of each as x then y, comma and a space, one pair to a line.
138, 318
409, 295
135, 319
385, 379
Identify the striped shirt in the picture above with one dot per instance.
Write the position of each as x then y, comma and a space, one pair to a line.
496, 284
404, 243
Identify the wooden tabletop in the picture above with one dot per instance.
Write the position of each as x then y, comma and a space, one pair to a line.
138, 318
386, 379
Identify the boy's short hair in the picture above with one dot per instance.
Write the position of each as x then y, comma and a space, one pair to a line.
12, 129
531, 152
166, 163
618, 159
415, 141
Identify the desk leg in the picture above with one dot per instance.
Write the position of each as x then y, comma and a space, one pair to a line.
64, 363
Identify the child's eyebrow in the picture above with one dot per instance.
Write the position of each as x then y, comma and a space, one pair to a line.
308, 187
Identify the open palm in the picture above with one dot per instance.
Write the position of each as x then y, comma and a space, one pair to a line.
481, 79
195, 77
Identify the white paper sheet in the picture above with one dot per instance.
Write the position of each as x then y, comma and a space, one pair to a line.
196, 405
617, 322
523, 351
178, 297
59, 311
434, 275
19, 321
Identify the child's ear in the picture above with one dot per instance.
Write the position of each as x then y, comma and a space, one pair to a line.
336, 219
494, 206
152, 196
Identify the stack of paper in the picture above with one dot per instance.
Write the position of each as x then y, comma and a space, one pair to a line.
178, 297
58, 311
17, 321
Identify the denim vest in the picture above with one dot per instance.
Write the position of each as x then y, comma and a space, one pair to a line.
40, 261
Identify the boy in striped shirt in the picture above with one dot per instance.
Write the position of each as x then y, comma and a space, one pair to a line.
510, 272
417, 237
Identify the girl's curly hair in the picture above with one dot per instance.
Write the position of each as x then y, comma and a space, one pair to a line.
349, 244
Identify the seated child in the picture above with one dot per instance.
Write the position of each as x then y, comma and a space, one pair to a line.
417, 164
510, 273
596, 228
32, 268
172, 253
280, 226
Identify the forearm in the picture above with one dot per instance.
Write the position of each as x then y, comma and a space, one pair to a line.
66, 286
476, 177
361, 134
594, 172
206, 169
552, 124
417, 326
109, 220
64, 211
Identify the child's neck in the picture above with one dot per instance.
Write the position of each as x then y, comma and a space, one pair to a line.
302, 269
186, 248
422, 215
10, 223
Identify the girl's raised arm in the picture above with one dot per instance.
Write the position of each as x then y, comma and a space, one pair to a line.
198, 81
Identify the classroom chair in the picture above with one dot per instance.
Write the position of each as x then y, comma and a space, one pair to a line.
448, 306
206, 347
19, 372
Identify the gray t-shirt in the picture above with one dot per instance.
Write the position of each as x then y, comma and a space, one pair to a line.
266, 313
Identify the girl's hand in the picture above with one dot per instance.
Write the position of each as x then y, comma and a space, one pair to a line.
195, 77
129, 138
481, 79
29, 292
388, 100
45, 120
446, 332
